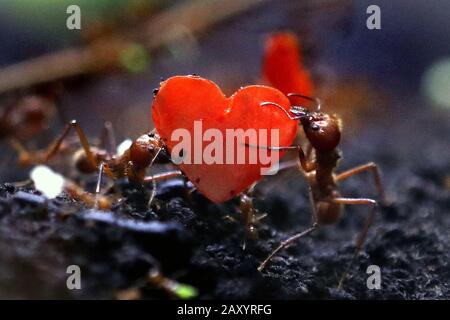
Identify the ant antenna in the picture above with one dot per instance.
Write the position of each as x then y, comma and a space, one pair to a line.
268, 103
312, 99
153, 194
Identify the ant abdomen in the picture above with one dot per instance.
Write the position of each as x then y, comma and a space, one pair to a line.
327, 212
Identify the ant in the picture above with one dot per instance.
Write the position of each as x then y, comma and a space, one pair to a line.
132, 163
323, 132
250, 216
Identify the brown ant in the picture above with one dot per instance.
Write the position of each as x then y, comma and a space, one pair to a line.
250, 216
133, 163
25, 118
323, 132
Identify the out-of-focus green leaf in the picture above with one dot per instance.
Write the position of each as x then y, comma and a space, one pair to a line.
135, 58
185, 291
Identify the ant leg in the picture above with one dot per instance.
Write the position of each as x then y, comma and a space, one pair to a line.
249, 214
163, 176
369, 166
27, 158
312, 203
363, 234
99, 184
286, 243
306, 165
44, 156
159, 177
152, 194
24, 156
295, 237
53, 149
108, 138
98, 201
309, 149
84, 142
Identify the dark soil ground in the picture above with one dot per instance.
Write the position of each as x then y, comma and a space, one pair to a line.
196, 244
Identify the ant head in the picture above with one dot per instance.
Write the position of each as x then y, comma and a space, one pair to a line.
322, 130
145, 149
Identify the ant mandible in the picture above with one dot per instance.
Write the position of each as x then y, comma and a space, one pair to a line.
323, 132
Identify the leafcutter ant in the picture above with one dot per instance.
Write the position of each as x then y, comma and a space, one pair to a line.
131, 163
323, 132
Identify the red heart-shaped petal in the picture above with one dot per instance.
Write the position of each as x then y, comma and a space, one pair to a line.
183, 101
283, 65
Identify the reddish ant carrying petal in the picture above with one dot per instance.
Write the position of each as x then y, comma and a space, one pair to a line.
130, 161
323, 132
